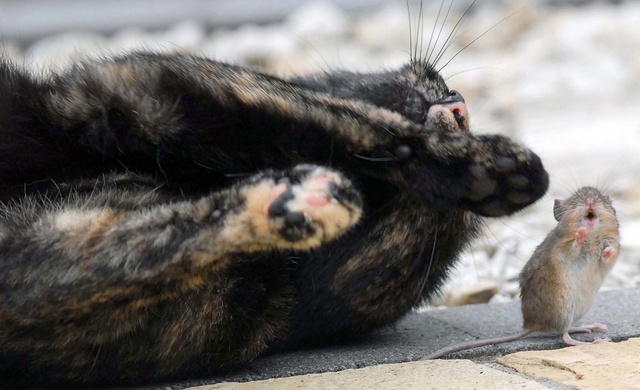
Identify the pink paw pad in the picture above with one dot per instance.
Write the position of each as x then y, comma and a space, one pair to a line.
314, 192
318, 184
317, 201
608, 252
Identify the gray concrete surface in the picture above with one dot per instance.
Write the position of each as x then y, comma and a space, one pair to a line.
421, 333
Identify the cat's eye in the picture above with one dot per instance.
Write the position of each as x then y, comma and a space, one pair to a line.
402, 152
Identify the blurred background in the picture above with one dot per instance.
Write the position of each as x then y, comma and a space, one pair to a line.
561, 76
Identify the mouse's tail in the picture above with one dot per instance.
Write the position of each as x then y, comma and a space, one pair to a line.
477, 343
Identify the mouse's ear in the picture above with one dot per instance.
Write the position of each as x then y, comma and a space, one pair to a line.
557, 204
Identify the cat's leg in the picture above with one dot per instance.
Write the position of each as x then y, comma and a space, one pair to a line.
490, 175
234, 119
117, 283
63, 260
172, 114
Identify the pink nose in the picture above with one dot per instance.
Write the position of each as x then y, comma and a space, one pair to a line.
591, 201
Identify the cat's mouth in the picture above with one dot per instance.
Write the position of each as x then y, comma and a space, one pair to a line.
461, 116
455, 115
452, 110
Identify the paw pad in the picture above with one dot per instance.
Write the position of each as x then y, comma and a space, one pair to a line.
506, 184
311, 205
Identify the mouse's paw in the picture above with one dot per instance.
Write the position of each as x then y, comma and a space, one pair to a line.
609, 253
567, 339
595, 327
581, 235
311, 205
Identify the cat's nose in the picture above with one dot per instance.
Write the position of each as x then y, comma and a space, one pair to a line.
454, 97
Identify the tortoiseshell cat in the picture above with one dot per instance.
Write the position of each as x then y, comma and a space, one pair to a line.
166, 215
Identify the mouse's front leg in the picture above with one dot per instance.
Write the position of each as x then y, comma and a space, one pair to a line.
610, 254
581, 235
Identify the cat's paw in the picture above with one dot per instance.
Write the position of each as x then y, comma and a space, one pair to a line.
504, 177
305, 207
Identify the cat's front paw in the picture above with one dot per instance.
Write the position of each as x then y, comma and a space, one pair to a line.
509, 180
306, 207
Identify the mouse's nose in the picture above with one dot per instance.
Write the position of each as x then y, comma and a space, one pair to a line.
590, 201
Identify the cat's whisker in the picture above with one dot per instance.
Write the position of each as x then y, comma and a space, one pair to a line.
235, 175
388, 130
158, 155
411, 57
376, 159
418, 30
449, 77
452, 35
431, 257
444, 21
421, 29
474, 40
419, 260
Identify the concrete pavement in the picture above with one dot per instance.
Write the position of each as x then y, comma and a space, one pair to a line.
421, 333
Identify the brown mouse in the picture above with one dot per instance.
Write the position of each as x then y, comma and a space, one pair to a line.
560, 281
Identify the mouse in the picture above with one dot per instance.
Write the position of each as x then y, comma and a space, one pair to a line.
560, 281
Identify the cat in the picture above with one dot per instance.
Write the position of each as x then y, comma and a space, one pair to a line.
166, 216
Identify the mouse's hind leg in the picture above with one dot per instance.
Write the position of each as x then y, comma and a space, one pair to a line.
596, 327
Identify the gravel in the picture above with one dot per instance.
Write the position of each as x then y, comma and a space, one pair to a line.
562, 77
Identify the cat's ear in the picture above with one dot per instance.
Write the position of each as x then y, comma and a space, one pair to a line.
557, 205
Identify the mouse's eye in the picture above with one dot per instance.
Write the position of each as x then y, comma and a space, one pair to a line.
402, 152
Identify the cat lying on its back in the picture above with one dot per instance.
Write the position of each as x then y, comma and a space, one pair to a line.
131, 251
